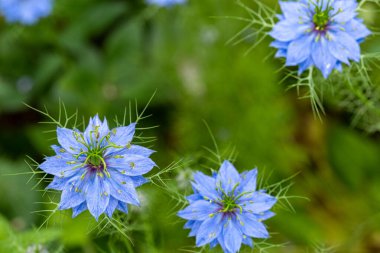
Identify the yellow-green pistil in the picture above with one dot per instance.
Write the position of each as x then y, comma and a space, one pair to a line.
229, 204
94, 153
321, 18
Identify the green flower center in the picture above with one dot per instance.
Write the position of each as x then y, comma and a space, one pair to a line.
229, 204
321, 18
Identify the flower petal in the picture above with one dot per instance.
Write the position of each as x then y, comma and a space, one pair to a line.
97, 196
61, 167
198, 210
69, 140
195, 228
131, 165
79, 209
122, 188
96, 129
73, 194
58, 183
232, 237
287, 31
139, 180
129, 150
112, 204
122, 136
346, 10
250, 226
322, 57
357, 29
260, 202
205, 185
122, 207
227, 177
299, 50
209, 230
248, 181
297, 11
343, 47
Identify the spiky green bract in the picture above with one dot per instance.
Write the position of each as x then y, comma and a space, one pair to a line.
97, 169
324, 34
227, 209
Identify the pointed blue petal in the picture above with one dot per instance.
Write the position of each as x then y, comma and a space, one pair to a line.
279, 44
129, 150
73, 194
131, 165
299, 50
347, 10
97, 196
296, 11
69, 140
281, 53
205, 185
248, 181
305, 65
357, 29
343, 47
287, 31
96, 129
260, 202
122, 207
264, 215
189, 224
79, 209
139, 180
232, 237
58, 183
195, 228
213, 243
247, 241
228, 177
198, 210
59, 166
122, 188
322, 57
250, 226
194, 197
209, 230
122, 136
112, 204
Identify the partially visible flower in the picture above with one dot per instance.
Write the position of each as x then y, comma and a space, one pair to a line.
26, 12
36, 249
98, 169
321, 33
227, 209
165, 2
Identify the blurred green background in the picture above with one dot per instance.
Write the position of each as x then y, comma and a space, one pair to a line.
98, 55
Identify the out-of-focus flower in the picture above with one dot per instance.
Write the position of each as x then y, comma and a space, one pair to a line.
320, 33
227, 209
166, 2
98, 169
27, 12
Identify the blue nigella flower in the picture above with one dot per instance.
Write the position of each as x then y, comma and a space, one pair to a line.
26, 12
321, 33
165, 2
227, 209
98, 169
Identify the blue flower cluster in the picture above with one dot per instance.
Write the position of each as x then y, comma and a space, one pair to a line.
320, 33
26, 12
98, 169
166, 2
227, 209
